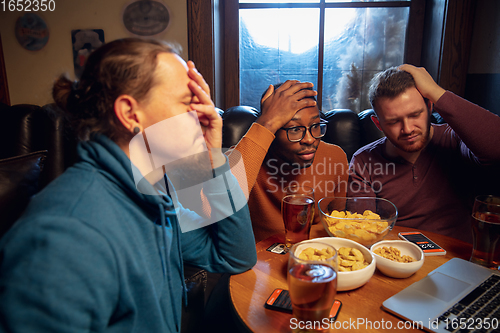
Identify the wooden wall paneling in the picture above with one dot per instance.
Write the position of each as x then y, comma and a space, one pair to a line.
414, 34
219, 91
4, 88
231, 53
200, 39
433, 37
456, 45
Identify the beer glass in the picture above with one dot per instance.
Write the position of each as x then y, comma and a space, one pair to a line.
312, 285
297, 210
486, 231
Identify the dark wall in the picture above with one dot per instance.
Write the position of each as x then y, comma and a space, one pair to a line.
484, 90
447, 42
483, 77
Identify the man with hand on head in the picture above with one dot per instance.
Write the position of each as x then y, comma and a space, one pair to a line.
283, 147
430, 172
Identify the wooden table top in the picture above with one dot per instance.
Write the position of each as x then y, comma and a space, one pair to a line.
250, 290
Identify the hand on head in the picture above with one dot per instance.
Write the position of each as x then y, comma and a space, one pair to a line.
424, 82
279, 106
210, 120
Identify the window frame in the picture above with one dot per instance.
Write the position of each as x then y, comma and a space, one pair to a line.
214, 45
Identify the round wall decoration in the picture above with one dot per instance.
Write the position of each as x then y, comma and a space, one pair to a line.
31, 32
146, 17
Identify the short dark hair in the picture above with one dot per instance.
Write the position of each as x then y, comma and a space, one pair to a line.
389, 84
276, 86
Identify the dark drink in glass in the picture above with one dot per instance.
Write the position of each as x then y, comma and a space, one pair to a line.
298, 214
313, 288
486, 231
312, 284
486, 237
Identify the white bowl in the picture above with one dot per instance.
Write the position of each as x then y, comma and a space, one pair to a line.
354, 279
399, 269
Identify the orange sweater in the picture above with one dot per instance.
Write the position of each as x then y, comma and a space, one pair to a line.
267, 178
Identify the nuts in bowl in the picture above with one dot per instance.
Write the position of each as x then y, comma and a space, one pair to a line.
365, 220
397, 258
356, 264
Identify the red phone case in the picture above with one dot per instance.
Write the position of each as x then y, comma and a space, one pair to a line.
280, 300
428, 247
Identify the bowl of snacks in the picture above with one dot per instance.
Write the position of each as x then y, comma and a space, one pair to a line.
397, 258
365, 220
356, 264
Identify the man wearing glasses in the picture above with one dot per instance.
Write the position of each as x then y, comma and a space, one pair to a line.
283, 147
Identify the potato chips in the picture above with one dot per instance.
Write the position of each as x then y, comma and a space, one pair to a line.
351, 225
393, 254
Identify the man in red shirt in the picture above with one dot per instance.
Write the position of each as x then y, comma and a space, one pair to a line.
430, 172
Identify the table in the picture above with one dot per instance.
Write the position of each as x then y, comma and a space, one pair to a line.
361, 308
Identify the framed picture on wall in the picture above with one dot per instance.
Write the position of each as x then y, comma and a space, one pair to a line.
31, 32
84, 42
146, 17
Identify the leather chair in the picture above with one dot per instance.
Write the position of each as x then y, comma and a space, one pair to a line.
345, 128
31, 128
19, 180
36, 148
236, 122
369, 131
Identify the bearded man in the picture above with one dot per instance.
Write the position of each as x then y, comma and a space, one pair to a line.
430, 172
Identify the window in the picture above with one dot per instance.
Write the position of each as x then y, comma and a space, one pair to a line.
338, 46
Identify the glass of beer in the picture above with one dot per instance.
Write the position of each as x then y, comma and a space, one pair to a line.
312, 283
297, 210
486, 231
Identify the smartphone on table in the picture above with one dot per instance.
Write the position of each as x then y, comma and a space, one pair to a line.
428, 246
280, 301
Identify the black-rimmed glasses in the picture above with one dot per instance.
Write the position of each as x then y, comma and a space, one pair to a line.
297, 133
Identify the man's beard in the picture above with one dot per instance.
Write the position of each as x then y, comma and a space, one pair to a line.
417, 146
275, 151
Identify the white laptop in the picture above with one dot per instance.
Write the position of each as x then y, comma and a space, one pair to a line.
451, 298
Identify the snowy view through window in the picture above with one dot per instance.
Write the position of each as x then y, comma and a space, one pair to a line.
277, 44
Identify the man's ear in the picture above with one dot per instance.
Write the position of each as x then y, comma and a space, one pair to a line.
430, 106
376, 122
128, 112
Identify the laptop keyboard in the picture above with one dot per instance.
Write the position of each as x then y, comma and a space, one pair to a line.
479, 311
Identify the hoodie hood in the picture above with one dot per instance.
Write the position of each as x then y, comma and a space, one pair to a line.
105, 155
